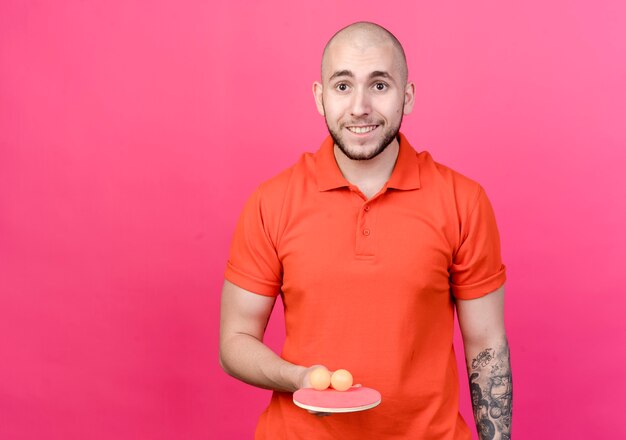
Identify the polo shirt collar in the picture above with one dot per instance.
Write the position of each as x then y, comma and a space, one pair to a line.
405, 174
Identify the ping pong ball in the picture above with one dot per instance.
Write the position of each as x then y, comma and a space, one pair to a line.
320, 378
341, 380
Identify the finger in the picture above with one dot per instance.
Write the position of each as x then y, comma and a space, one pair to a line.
319, 414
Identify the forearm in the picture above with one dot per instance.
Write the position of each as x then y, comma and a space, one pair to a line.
491, 386
250, 360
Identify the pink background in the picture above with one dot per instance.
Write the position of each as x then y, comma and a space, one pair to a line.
132, 132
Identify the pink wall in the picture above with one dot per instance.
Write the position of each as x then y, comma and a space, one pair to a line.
131, 133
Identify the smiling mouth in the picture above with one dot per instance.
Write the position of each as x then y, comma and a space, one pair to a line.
361, 129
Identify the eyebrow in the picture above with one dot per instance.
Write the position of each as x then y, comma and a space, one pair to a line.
380, 74
339, 73
348, 73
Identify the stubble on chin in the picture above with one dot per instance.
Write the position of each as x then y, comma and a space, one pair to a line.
387, 139
353, 155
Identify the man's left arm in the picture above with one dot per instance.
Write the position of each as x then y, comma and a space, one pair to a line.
488, 363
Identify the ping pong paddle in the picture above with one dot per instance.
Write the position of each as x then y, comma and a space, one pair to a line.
357, 398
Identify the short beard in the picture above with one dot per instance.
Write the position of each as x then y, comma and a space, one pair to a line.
390, 135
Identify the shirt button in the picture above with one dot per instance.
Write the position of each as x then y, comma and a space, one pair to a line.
366, 232
367, 207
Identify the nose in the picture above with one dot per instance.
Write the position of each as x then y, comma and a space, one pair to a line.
360, 105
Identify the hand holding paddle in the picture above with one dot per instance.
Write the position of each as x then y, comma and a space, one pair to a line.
316, 378
317, 398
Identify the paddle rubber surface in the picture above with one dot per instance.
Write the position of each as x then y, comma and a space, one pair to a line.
333, 401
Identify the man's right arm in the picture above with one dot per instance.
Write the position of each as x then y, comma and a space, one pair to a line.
243, 355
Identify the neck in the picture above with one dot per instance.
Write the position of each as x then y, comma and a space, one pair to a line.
372, 174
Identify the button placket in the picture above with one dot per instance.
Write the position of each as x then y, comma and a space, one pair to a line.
365, 223
366, 229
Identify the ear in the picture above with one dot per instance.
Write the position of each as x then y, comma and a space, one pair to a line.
318, 89
409, 97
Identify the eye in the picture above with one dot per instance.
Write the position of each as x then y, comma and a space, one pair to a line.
380, 86
342, 87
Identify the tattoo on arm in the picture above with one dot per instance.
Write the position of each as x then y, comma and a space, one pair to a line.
491, 386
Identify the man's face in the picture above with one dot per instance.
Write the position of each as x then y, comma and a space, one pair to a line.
363, 97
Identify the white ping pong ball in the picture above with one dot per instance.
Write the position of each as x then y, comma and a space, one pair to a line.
341, 380
320, 378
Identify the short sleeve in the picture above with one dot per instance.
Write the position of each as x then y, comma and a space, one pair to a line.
477, 267
253, 263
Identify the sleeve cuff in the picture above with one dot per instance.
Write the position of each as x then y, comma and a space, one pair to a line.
250, 283
482, 288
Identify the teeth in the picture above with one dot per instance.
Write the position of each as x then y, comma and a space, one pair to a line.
361, 130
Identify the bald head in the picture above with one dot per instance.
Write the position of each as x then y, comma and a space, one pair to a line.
362, 36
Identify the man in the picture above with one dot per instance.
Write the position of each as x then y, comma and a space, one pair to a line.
371, 246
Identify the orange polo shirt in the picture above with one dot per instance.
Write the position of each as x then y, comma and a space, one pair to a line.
369, 286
